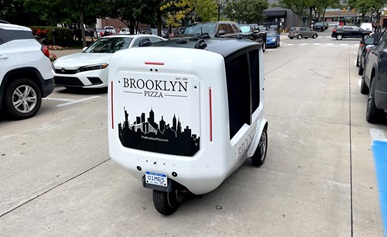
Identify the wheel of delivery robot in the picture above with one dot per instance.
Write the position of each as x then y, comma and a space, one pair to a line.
260, 154
167, 203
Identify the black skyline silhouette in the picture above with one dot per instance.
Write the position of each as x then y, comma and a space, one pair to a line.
145, 134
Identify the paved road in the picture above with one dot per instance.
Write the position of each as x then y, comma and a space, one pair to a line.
318, 180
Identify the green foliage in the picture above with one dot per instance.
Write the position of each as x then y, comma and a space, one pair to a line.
206, 10
177, 11
248, 11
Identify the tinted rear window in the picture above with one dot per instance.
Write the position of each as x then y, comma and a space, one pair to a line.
9, 35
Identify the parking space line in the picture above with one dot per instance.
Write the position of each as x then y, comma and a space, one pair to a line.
379, 149
57, 99
77, 101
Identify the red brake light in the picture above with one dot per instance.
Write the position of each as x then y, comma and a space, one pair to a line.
334, 30
361, 45
45, 51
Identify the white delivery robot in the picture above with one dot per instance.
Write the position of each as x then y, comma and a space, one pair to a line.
185, 114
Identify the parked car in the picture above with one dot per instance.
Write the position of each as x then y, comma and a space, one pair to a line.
90, 67
302, 32
179, 31
124, 31
273, 39
364, 47
366, 26
110, 29
333, 24
319, 26
218, 29
341, 32
25, 72
374, 81
252, 32
326, 25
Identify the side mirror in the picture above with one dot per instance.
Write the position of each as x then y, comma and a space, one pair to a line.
256, 31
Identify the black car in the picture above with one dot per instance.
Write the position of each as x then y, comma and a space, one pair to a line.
374, 81
364, 47
252, 32
341, 32
318, 26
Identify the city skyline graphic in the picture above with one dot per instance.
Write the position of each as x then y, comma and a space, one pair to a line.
145, 134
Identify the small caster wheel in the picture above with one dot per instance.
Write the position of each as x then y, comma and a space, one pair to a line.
166, 203
260, 154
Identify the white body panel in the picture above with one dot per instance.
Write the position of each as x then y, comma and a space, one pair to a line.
200, 102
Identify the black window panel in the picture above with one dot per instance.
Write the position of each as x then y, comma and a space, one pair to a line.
254, 73
9, 35
238, 91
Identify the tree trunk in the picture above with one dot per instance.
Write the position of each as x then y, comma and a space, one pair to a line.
82, 29
310, 16
159, 22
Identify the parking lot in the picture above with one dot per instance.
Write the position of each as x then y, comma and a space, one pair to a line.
319, 177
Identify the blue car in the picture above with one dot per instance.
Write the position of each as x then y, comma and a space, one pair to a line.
272, 39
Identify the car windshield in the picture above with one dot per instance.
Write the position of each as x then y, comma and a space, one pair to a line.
109, 45
245, 28
200, 28
270, 34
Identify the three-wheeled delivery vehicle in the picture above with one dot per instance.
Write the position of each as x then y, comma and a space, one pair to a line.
185, 114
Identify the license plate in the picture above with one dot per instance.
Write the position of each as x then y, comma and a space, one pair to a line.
155, 178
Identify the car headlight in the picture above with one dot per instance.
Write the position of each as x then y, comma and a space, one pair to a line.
93, 67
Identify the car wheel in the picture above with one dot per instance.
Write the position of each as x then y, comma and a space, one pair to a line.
314, 36
23, 98
291, 38
259, 156
357, 62
299, 36
339, 37
373, 114
363, 87
360, 72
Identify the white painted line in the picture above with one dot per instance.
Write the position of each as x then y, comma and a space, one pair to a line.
343, 44
377, 134
303, 44
57, 99
77, 101
329, 44
359, 81
317, 44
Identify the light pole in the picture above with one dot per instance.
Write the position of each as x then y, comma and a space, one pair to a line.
219, 6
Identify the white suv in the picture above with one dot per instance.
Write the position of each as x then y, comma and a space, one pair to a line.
25, 72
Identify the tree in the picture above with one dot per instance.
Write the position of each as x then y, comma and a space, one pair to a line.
297, 6
369, 6
248, 11
177, 11
206, 10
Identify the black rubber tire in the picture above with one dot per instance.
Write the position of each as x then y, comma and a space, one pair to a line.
165, 202
357, 62
291, 38
259, 156
299, 36
373, 114
363, 87
339, 37
314, 36
19, 87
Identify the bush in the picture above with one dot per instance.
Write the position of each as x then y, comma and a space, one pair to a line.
53, 35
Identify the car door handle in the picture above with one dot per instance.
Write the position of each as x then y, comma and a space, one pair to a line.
3, 57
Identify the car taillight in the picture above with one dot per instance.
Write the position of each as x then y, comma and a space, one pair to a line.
361, 45
334, 30
45, 51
